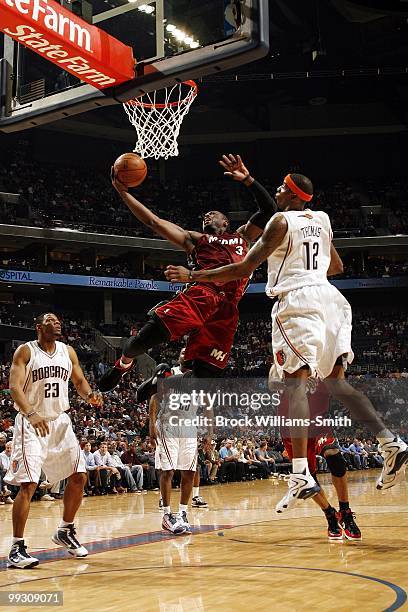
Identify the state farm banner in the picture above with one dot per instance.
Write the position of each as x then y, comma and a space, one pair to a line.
68, 41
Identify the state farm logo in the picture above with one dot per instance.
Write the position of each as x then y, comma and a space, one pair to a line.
58, 23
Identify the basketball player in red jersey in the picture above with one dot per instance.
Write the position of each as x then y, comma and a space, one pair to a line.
206, 313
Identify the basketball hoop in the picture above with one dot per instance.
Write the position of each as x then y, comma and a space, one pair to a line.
157, 118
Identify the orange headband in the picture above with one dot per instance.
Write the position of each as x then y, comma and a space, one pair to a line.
297, 190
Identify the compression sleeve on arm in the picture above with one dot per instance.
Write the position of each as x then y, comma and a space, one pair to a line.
266, 205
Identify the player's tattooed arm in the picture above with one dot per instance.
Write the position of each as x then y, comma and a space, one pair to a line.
166, 229
336, 264
80, 383
270, 240
16, 383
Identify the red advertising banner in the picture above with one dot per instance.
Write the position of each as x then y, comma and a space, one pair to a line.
68, 41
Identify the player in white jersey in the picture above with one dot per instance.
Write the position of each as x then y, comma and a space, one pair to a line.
43, 434
311, 332
176, 444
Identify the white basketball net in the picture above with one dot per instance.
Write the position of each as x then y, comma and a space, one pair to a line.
157, 118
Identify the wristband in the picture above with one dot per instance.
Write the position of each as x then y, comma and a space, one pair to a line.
30, 414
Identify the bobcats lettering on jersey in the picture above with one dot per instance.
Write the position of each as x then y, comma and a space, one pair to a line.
46, 380
49, 372
303, 258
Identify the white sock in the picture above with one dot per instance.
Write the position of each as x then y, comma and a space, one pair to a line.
385, 435
300, 465
15, 540
166, 509
196, 491
125, 365
183, 508
64, 524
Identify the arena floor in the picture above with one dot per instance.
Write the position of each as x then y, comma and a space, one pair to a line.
242, 555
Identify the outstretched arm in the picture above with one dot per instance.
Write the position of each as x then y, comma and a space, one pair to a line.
271, 238
80, 383
236, 170
166, 229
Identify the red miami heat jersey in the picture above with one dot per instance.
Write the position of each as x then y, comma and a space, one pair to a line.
215, 251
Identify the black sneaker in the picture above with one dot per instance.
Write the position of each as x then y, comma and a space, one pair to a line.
112, 377
19, 557
334, 531
65, 536
198, 502
348, 525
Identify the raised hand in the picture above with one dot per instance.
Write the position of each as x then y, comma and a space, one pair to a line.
120, 187
234, 167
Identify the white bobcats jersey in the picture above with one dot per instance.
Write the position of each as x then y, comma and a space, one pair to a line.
46, 380
303, 258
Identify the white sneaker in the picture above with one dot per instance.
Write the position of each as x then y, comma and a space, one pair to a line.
8, 500
301, 486
66, 536
47, 497
20, 558
395, 455
173, 523
44, 485
199, 502
182, 516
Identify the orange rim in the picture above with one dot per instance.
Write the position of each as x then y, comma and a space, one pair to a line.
191, 94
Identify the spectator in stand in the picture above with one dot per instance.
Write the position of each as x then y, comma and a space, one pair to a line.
108, 472
262, 455
228, 469
92, 471
125, 472
356, 450
5, 497
141, 472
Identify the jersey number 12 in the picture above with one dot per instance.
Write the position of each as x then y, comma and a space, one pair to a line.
311, 255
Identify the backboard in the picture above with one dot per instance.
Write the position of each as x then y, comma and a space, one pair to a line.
172, 40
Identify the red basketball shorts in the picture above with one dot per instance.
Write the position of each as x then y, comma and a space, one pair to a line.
315, 447
207, 318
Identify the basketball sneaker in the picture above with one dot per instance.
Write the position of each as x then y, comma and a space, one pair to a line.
395, 455
183, 518
349, 525
198, 502
66, 536
112, 377
334, 531
173, 523
301, 486
20, 558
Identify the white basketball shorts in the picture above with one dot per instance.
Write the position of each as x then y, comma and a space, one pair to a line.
175, 452
58, 453
311, 326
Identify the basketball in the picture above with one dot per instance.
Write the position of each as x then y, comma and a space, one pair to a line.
130, 169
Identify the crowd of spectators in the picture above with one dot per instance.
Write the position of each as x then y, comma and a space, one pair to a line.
357, 266
83, 199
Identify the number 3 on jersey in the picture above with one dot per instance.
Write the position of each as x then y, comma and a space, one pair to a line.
311, 254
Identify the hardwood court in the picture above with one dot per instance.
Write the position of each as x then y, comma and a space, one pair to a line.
242, 555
